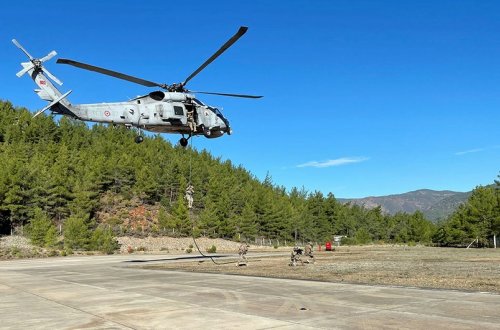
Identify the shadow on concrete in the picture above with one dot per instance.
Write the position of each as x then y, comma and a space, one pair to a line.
177, 258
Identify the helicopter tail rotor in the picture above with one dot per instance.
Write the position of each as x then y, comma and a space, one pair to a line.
18, 45
35, 63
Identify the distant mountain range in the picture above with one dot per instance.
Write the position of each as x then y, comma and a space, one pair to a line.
434, 204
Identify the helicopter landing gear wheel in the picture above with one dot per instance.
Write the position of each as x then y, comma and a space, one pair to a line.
139, 139
183, 142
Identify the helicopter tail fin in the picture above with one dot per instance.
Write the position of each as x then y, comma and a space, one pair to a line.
42, 77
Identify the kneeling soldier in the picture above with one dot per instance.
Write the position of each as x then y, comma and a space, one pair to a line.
295, 256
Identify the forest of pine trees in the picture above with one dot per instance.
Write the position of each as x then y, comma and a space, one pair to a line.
63, 174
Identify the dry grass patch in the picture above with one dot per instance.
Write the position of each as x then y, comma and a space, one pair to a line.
427, 267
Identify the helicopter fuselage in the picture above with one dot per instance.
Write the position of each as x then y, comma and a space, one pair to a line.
159, 112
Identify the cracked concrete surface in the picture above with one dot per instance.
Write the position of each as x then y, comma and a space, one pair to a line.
96, 292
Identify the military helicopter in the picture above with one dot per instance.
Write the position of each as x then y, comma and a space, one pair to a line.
171, 110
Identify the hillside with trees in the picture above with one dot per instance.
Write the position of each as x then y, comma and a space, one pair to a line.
477, 219
93, 183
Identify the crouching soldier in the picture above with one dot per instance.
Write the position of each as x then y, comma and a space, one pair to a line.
295, 256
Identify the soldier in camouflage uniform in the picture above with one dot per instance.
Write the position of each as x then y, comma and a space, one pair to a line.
242, 261
308, 252
190, 118
189, 196
295, 256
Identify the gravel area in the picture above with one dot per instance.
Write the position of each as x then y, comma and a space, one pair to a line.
176, 245
18, 247
162, 244
19, 242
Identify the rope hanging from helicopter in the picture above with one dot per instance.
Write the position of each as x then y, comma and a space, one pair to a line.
190, 212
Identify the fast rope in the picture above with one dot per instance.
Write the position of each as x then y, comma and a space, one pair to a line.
191, 212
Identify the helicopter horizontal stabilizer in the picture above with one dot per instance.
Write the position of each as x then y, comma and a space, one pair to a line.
51, 104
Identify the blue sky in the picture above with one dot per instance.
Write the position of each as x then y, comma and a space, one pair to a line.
361, 98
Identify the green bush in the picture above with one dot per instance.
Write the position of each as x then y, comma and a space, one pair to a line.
212, 249
102, 240
189, 250
76, 233
53, 253
41, 230
362, 236
16, 252
51, 237
348, 241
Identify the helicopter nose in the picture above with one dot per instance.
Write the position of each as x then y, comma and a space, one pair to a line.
226, 128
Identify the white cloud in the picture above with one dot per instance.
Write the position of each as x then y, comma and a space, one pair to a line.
460, 153
334, 162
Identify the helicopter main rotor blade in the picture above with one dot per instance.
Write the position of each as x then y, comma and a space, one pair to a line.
228, 44
227, 94
111, 73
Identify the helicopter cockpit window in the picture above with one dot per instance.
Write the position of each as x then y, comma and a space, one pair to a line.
179, 111
215, 110
198, 102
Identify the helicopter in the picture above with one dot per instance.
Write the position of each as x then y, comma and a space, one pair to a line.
173, 109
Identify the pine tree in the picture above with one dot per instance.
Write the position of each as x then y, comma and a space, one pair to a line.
76, 232
247, 223
180, 214
41, 230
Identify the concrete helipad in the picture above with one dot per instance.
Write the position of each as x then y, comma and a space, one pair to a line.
111, 292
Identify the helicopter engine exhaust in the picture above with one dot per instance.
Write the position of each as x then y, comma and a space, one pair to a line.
168, 96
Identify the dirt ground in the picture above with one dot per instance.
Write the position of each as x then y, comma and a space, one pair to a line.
426, 267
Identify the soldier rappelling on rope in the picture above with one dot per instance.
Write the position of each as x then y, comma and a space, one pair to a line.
189, 195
